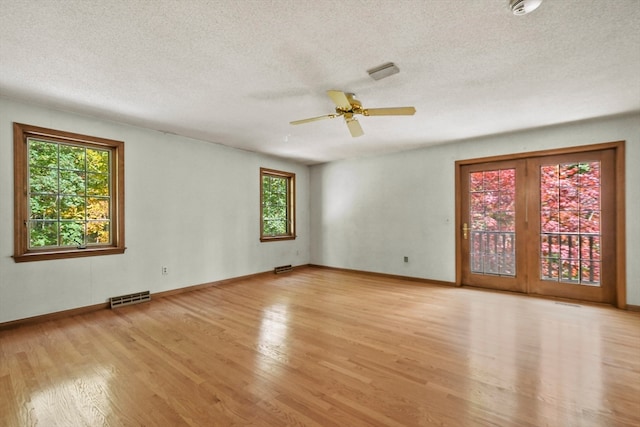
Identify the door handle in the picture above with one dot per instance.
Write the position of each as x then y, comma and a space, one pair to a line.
465, 231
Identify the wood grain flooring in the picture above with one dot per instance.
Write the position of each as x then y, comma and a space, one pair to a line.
319, 347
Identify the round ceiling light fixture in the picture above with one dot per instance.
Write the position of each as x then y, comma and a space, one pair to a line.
522, 7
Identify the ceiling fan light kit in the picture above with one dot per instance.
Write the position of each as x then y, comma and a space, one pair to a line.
347, 106
384, 70
522, 7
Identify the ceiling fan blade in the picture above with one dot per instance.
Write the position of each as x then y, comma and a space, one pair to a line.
313, 119
340, 99
354, 127
396, 111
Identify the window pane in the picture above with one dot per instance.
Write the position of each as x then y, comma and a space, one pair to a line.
43, 233
590, 222
72, 182
43, 180
491, 200
569, 221
99, 232
275, 227
590, 274
549, 221
477, 202
477, 221
549, 196
491, 180
507, 221
98, 161
72, 207
97, 184
97, 208
589, 198
43, 154
71, 233
43, 207
475, 181
590, 247
72, 157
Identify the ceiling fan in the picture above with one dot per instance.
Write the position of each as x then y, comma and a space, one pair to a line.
347, 106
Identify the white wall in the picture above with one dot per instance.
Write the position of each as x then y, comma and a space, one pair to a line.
192, 206
368, 213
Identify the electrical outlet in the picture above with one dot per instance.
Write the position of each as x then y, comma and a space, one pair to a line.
406, 259
165, 271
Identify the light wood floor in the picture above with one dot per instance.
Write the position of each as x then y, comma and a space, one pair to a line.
319, 347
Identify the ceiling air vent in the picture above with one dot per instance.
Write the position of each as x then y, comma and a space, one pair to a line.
384, 70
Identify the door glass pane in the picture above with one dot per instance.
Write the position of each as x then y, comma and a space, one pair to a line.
492, 217
570, 223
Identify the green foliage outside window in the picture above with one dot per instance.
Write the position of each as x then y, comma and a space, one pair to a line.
274, 205
277, 209
69, 195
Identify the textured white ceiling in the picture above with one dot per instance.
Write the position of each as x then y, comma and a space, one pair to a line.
236, 72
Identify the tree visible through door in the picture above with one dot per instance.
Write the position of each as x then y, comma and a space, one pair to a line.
543, 225
570, 249
492, 208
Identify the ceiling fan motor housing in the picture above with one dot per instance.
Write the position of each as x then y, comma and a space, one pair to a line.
355, 105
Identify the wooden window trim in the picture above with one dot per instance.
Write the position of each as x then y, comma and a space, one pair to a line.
22, 253
291, 205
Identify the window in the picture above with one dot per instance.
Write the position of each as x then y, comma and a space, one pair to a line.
277, 205
69, 194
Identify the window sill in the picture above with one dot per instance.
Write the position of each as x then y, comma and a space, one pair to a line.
276, 238
70, 253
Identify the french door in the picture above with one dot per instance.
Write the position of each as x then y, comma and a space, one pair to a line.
544, 224
494, 225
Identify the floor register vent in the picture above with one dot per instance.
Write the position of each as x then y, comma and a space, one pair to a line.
282, 269
130, 299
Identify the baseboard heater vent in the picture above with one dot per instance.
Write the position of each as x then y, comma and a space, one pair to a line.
568, 304
282, 269
130, 299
